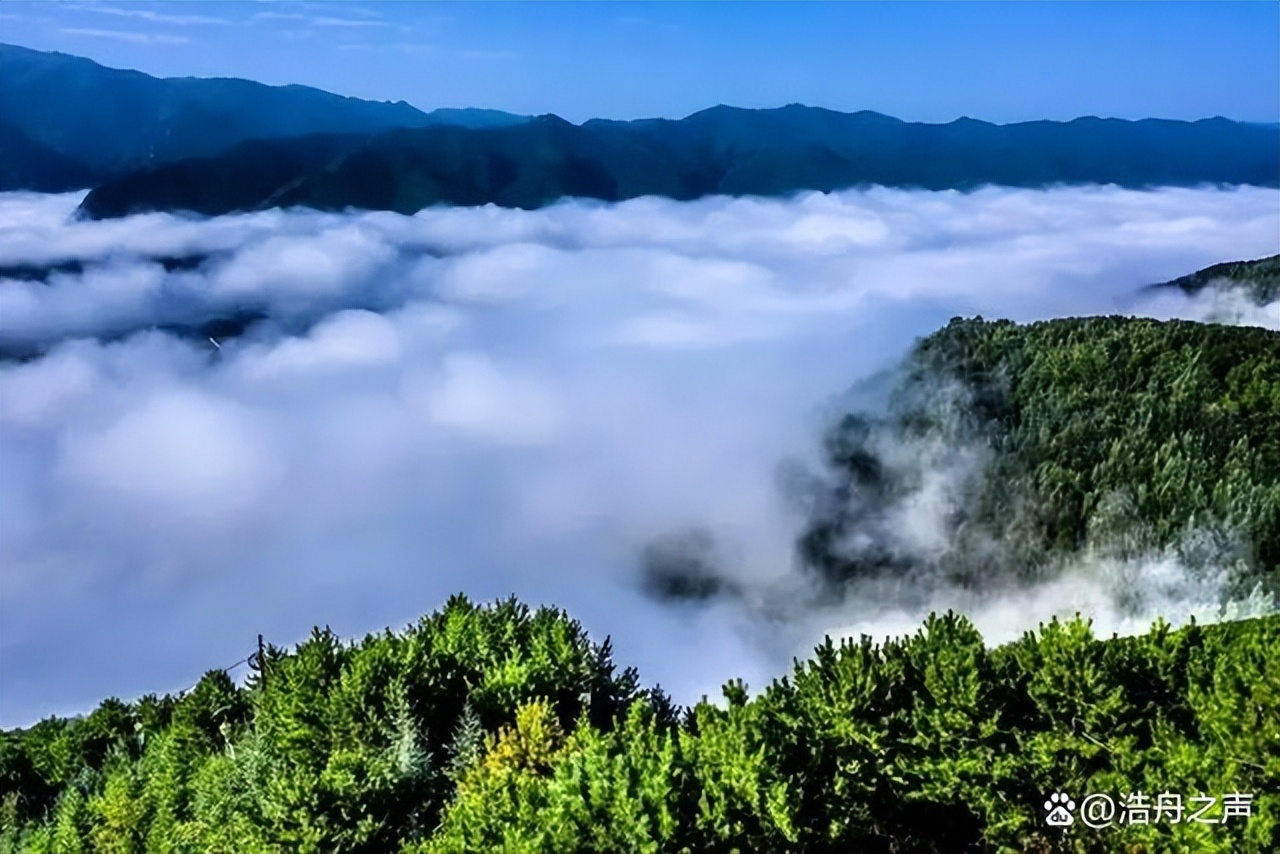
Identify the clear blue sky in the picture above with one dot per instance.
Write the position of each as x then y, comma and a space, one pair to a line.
920, 61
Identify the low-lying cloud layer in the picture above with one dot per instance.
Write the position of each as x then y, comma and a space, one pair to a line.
496, 401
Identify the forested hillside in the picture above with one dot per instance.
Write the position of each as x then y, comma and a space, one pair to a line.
721, 150
504, 729
500, 729
1260, 279
1120, 436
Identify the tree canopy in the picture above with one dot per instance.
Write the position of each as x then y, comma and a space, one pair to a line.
502, 728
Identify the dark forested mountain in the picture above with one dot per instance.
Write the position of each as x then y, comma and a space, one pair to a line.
105, 122
30, 165
721, 150
1260, 279
197, 144
1122, 436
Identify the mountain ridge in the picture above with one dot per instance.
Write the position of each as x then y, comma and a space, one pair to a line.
721, 150
217, 145
1258, 278
111, 121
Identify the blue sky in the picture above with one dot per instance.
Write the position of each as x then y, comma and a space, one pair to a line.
919, 61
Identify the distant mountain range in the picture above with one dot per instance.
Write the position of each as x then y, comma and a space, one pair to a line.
67, 122
217, 146
721, 150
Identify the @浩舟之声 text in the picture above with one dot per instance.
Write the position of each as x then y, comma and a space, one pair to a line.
1098, 810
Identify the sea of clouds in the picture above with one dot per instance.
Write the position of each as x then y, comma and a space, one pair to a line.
504, 402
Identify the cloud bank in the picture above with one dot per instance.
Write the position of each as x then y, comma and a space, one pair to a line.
496, 401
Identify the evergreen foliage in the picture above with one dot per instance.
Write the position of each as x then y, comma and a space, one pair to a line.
928, 743
501, 728
1120, 435
337, 747
1260, 279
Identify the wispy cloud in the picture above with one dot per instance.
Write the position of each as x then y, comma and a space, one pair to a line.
399, 47
278, 16
321, 7
154, 17
638, 21
326, 21
126, 36
488, 54
25, 18
319, 20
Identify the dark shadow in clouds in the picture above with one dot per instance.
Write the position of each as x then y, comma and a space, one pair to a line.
490, 401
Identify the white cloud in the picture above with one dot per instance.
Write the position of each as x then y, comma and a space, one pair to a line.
491, 401
319, 20
304, 268
329, 21
351, 338
483, 54
174, 451
473, 396
126, 35
151, 16
399, 47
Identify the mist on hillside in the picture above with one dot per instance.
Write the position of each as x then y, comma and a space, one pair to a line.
214, 428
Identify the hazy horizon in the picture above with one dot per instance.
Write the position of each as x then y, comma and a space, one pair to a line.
918, 61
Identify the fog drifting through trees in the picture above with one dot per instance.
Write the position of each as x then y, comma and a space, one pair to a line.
496, 402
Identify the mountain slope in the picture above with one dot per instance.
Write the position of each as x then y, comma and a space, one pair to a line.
1105, 437
498, 729
721, 150
1260, 279
29, 165
114, 121
503, 729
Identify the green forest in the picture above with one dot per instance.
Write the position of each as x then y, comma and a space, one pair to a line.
1116, 435
1259, 278
507, 729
